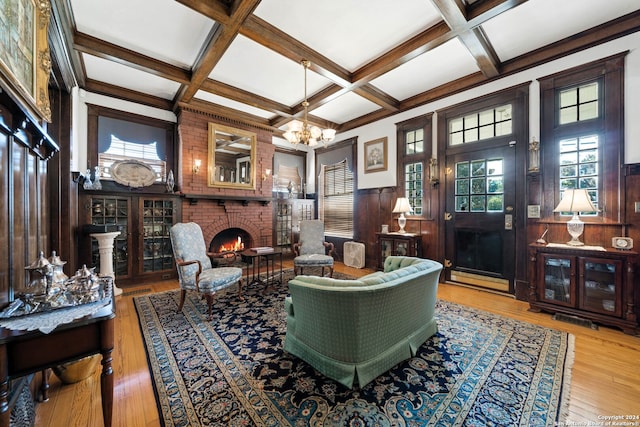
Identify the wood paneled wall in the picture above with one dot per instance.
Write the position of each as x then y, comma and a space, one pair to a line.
25, 221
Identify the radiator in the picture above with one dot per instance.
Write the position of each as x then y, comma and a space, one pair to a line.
354, 254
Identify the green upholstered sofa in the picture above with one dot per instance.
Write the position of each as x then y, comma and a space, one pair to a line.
354, 330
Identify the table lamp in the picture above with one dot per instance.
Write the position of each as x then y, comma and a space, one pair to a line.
575, 201
402, 207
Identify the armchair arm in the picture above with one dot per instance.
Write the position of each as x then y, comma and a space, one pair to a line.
331, 248
181, 263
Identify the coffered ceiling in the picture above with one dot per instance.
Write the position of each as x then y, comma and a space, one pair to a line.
369, 58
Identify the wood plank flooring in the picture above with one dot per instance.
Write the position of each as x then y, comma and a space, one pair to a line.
605, 379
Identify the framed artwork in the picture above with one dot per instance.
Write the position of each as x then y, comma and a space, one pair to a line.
375, 155
25, 63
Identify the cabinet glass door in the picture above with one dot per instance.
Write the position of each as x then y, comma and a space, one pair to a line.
599, 291
283, 224
385, 250
157, 218
402, 248
559, 280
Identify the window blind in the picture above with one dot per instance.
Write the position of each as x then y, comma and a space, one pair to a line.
336, 199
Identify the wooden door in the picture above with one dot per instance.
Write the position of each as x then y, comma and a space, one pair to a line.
480, 216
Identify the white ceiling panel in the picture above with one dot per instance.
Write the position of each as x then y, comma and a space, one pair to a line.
358, 36
225, 102
349, 32
120, 75
538, 23
254, 68
344, 108
434, 68
167, 31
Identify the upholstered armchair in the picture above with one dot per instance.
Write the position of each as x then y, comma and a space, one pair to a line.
312, 250
194, 265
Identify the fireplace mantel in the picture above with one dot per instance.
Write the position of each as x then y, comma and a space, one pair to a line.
222, 199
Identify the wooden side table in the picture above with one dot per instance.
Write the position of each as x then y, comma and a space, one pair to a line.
394, 243
26, 352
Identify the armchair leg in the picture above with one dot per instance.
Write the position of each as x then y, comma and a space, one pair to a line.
209, 299
331, 271
240, 297
183, 294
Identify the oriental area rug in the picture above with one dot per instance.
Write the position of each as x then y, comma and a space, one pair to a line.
478, 370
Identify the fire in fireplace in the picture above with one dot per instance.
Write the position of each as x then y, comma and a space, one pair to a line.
226, 244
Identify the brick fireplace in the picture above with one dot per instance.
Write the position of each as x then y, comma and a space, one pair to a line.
219, 209
254, 219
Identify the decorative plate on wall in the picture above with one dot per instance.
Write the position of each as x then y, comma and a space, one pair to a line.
133, 173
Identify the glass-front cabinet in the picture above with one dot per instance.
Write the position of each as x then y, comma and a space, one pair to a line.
595, 285
142, 251
402, 244
286, 220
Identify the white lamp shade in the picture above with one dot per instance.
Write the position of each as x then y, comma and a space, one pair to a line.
575, 201
402, 205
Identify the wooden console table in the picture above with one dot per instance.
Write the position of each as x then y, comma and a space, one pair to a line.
26, 352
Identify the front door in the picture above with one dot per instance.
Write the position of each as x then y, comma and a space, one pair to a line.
479, 217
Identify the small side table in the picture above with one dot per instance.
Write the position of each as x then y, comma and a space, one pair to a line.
394, 243
252, 259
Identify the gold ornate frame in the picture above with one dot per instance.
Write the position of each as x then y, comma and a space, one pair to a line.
25, 68
225, 135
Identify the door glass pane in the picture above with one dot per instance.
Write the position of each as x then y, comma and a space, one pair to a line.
486, 186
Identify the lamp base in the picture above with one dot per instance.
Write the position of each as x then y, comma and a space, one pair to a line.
575, 242
575, 227
402, 221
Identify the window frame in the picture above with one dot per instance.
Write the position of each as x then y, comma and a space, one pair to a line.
609, 126
330, 155
423, 122
170, 129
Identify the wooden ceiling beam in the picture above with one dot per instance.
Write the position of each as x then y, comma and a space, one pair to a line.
272, 38
218, 43
239, 95
127, 94
454, 14
102, 49
619, 27
214, 9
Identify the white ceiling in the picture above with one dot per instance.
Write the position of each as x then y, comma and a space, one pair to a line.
350, 38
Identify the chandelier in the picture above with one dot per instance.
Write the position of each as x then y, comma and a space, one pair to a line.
310, 135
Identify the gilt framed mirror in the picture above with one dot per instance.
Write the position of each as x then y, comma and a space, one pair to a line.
232, 157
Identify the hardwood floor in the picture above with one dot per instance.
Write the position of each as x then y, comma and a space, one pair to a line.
605, 378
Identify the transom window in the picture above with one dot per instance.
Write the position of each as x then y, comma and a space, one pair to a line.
481, 125
414, 141
578, 103
479, 185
